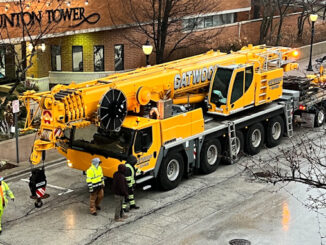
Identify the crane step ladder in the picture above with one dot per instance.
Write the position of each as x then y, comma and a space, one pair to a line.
232, 142
262, 91
289, 118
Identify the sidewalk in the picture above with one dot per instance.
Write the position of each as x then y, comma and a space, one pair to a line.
53, 156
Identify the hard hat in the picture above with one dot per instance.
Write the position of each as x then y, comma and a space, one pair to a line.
1, 178
96, 160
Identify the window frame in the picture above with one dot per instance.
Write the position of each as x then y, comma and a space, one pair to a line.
122, 56
72, 50
102, 46
52, 65
136, 150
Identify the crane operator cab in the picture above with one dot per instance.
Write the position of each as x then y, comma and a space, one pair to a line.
232, 89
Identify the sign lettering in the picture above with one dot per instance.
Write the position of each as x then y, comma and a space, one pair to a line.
76, 15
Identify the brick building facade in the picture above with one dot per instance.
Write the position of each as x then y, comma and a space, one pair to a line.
83, 37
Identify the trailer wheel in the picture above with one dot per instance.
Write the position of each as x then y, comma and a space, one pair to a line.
319, 117
171, 171
254, 139
274, 131
210, 156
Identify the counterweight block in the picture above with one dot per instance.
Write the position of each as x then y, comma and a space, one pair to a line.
112, 110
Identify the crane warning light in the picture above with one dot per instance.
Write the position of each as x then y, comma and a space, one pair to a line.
295, 53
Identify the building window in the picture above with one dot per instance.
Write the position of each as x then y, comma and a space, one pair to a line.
56, 57
118, 57
203, 22
2, 62
98, 58
77, 58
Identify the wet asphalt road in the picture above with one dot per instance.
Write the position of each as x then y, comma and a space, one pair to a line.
204, 209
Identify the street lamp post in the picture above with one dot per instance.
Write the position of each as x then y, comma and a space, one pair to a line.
313, 18
147, 49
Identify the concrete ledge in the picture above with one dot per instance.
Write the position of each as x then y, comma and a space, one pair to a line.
317, 49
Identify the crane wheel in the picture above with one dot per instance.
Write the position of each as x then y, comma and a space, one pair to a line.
274, 131
254, 139
171, 171
210, 156
319, 117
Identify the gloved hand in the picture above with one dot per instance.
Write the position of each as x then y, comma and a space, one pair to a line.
90, 190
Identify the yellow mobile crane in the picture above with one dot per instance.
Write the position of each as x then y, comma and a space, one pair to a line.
165, 113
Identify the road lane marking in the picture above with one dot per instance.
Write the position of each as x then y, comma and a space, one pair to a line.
66, 190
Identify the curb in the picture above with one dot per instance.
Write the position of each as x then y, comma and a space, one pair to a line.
27, 170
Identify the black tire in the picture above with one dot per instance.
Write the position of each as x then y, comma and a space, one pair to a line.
319, 117
209, 163
274, 131
171, 171
254, 139
239, 149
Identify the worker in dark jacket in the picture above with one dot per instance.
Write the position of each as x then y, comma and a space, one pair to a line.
130, 177
120, 190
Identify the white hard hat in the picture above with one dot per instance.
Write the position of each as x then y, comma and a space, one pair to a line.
96, 160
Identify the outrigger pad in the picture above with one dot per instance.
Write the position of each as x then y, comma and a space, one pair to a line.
112, 110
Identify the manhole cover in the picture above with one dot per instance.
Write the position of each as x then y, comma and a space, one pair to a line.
239, 242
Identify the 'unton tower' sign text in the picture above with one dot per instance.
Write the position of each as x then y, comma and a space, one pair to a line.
77, 15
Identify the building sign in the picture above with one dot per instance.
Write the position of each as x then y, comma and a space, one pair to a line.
75, 15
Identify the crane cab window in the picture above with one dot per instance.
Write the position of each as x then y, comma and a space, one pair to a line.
221, 86
248, 77
237, 90
144, 140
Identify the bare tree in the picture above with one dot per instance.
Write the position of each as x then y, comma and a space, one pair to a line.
169, 24
307, 7
268, 8
24, 24
283, 7
302, 161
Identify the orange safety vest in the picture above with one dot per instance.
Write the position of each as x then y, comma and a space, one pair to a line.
2, 197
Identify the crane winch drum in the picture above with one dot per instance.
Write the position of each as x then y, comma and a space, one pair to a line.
112, 110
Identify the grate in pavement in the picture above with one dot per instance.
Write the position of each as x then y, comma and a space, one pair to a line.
239, 242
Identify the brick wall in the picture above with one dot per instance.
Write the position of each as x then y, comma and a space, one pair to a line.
229, 37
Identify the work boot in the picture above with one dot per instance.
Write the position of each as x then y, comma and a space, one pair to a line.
134, 207
0, 232
118, 220
125, 210
94, 214
98, 208
124, 216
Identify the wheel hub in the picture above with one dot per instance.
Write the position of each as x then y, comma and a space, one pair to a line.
256, 138
320, 117
276, 130
173, 169
212, 153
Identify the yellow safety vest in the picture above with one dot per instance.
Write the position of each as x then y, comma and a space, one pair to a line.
6, 192
131, 179
95, 177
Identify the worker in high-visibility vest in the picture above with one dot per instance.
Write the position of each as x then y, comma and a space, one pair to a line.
130, 177
95, 182
4, 193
